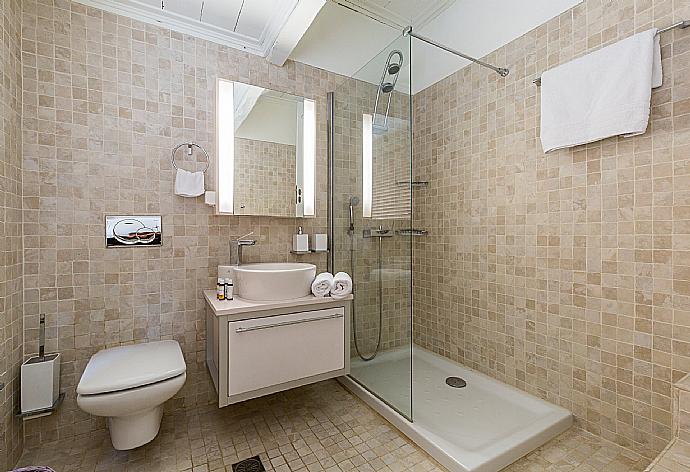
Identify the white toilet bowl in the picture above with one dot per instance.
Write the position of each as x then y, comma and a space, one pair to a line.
129, 385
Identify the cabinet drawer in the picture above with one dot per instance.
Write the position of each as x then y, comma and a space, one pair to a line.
278, 349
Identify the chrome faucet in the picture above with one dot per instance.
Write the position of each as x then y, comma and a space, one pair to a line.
236, 246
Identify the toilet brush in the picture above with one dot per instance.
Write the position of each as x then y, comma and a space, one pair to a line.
42, 338
40, 377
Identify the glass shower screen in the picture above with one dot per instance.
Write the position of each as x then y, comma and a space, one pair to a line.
372, 205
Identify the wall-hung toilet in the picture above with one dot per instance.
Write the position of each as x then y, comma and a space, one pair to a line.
128, 385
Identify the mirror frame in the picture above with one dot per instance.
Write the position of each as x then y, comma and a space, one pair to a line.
225, 154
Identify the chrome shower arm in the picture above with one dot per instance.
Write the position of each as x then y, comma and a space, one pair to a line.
502, 71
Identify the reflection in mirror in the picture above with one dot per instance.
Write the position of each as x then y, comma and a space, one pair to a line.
266, 152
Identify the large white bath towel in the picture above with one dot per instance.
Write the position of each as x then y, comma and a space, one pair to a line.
602, 94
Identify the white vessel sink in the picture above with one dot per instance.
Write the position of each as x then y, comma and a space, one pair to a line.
273, 281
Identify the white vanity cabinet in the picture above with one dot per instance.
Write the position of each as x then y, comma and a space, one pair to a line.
258, 348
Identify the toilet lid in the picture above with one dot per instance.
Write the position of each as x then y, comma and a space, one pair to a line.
120, 368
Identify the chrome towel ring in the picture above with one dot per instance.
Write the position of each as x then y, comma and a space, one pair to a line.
189, 153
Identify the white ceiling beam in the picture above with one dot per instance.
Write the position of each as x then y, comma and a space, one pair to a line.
296, 25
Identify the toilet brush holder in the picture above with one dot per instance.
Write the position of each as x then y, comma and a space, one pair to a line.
40, 378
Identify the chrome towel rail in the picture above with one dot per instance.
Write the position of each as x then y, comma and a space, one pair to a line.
189, 153
680, 24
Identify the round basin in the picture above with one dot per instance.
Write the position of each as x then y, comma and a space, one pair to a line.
274, 281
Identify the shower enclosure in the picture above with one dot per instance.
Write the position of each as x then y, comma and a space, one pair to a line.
467, 421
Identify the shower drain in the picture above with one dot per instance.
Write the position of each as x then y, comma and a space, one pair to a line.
253, 464
456, 382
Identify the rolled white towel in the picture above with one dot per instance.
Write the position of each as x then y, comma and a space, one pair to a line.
322, 284
342, 285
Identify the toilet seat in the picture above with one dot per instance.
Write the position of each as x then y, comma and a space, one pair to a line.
125, 367
128, 385
133, 400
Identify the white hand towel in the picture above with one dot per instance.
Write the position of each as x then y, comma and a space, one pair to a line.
189, 184
322, 284
342, 285
602, 94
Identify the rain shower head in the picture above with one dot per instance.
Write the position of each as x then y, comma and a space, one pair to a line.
393, 68
386, 85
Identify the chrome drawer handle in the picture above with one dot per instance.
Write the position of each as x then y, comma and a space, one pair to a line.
288, 323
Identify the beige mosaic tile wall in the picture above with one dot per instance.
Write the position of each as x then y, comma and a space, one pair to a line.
105, 100
681, 410
11, 296
267, 175
567, 274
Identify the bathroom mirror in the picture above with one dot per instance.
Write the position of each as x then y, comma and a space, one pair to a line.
266, 145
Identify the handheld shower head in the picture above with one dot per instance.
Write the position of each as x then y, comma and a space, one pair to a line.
354, 201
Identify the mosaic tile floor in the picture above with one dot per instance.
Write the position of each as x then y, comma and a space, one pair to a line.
315, 428
675, 458
579, 451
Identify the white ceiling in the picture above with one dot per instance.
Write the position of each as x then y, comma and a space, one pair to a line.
345, 42
342, 41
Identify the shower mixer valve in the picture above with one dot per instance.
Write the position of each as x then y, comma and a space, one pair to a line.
379, 232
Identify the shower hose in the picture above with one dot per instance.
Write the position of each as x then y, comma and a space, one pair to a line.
354, 312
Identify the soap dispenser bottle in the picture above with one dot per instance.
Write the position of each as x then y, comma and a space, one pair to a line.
300, 241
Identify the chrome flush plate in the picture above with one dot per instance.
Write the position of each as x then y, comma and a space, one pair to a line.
142, 230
